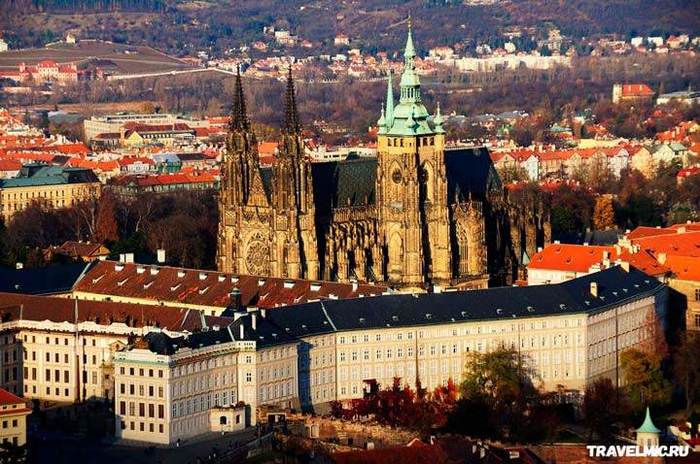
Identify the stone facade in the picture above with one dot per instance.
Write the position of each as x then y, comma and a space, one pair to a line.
418, 215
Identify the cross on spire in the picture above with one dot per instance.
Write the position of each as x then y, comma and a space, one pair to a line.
239, 117
291, 122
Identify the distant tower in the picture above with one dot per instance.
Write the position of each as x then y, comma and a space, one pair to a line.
648, 434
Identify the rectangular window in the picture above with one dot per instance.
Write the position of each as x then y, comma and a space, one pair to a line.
122, 408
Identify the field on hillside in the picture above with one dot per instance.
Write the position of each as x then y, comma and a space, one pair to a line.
124, 58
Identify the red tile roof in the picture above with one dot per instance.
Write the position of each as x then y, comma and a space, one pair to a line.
637, 90
210, 288
16, 306
7, 398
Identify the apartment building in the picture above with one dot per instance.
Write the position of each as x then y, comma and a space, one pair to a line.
13, 418
50, 186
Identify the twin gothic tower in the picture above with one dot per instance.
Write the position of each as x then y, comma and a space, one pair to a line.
416, 215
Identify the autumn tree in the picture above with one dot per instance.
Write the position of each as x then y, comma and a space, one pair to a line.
106, 229
603, 407
603, 213
645, 382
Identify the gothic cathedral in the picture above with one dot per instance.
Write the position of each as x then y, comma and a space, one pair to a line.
418, 215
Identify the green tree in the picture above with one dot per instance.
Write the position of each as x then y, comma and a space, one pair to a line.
503, 380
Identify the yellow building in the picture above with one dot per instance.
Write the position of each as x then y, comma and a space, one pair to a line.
13, 418
49, 186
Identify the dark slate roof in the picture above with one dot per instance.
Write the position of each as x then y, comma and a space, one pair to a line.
287, 324
41, 281
344, 183
352, 182
603, 237
615, 285
470, 170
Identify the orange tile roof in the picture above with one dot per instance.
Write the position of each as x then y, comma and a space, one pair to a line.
677, 244
636, 90
646, 231
684, 267
569, 257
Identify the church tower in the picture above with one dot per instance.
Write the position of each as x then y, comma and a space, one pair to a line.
295, 252
243, 242
411, 185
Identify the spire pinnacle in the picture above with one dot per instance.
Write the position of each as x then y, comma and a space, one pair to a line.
409, 51
291, 122
239, 117
438, 120
381, 124
390, 99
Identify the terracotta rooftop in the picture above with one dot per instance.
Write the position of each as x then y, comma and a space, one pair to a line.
569, 257
210, 288
8, 398
16, 306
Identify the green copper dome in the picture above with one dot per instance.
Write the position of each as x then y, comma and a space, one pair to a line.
648, 426
409, 117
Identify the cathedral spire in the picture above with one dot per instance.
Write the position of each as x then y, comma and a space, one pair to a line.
390, 100
291, 122
409, 51
239, 117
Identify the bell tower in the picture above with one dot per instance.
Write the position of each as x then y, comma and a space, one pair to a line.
412, 184
295, 252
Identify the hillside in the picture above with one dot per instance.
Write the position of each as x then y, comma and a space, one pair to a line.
219, 25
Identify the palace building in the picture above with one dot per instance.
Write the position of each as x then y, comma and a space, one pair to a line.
418, 214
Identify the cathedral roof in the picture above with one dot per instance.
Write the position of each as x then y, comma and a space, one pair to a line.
337, 184
470, 171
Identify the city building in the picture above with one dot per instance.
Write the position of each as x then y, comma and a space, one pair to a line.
84, 251
60, 350
685, 97
50, 186
671, 255
632, 93
572, 333
175, 372
437, 217
13, 418
114, 123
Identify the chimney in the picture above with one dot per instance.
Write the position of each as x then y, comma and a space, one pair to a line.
19, 265
122, 257
234, 302
160, 255
662, 258
242, 333
254, 321
129, 258
594, 289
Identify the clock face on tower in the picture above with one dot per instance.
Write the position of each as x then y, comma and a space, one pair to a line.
396, 176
